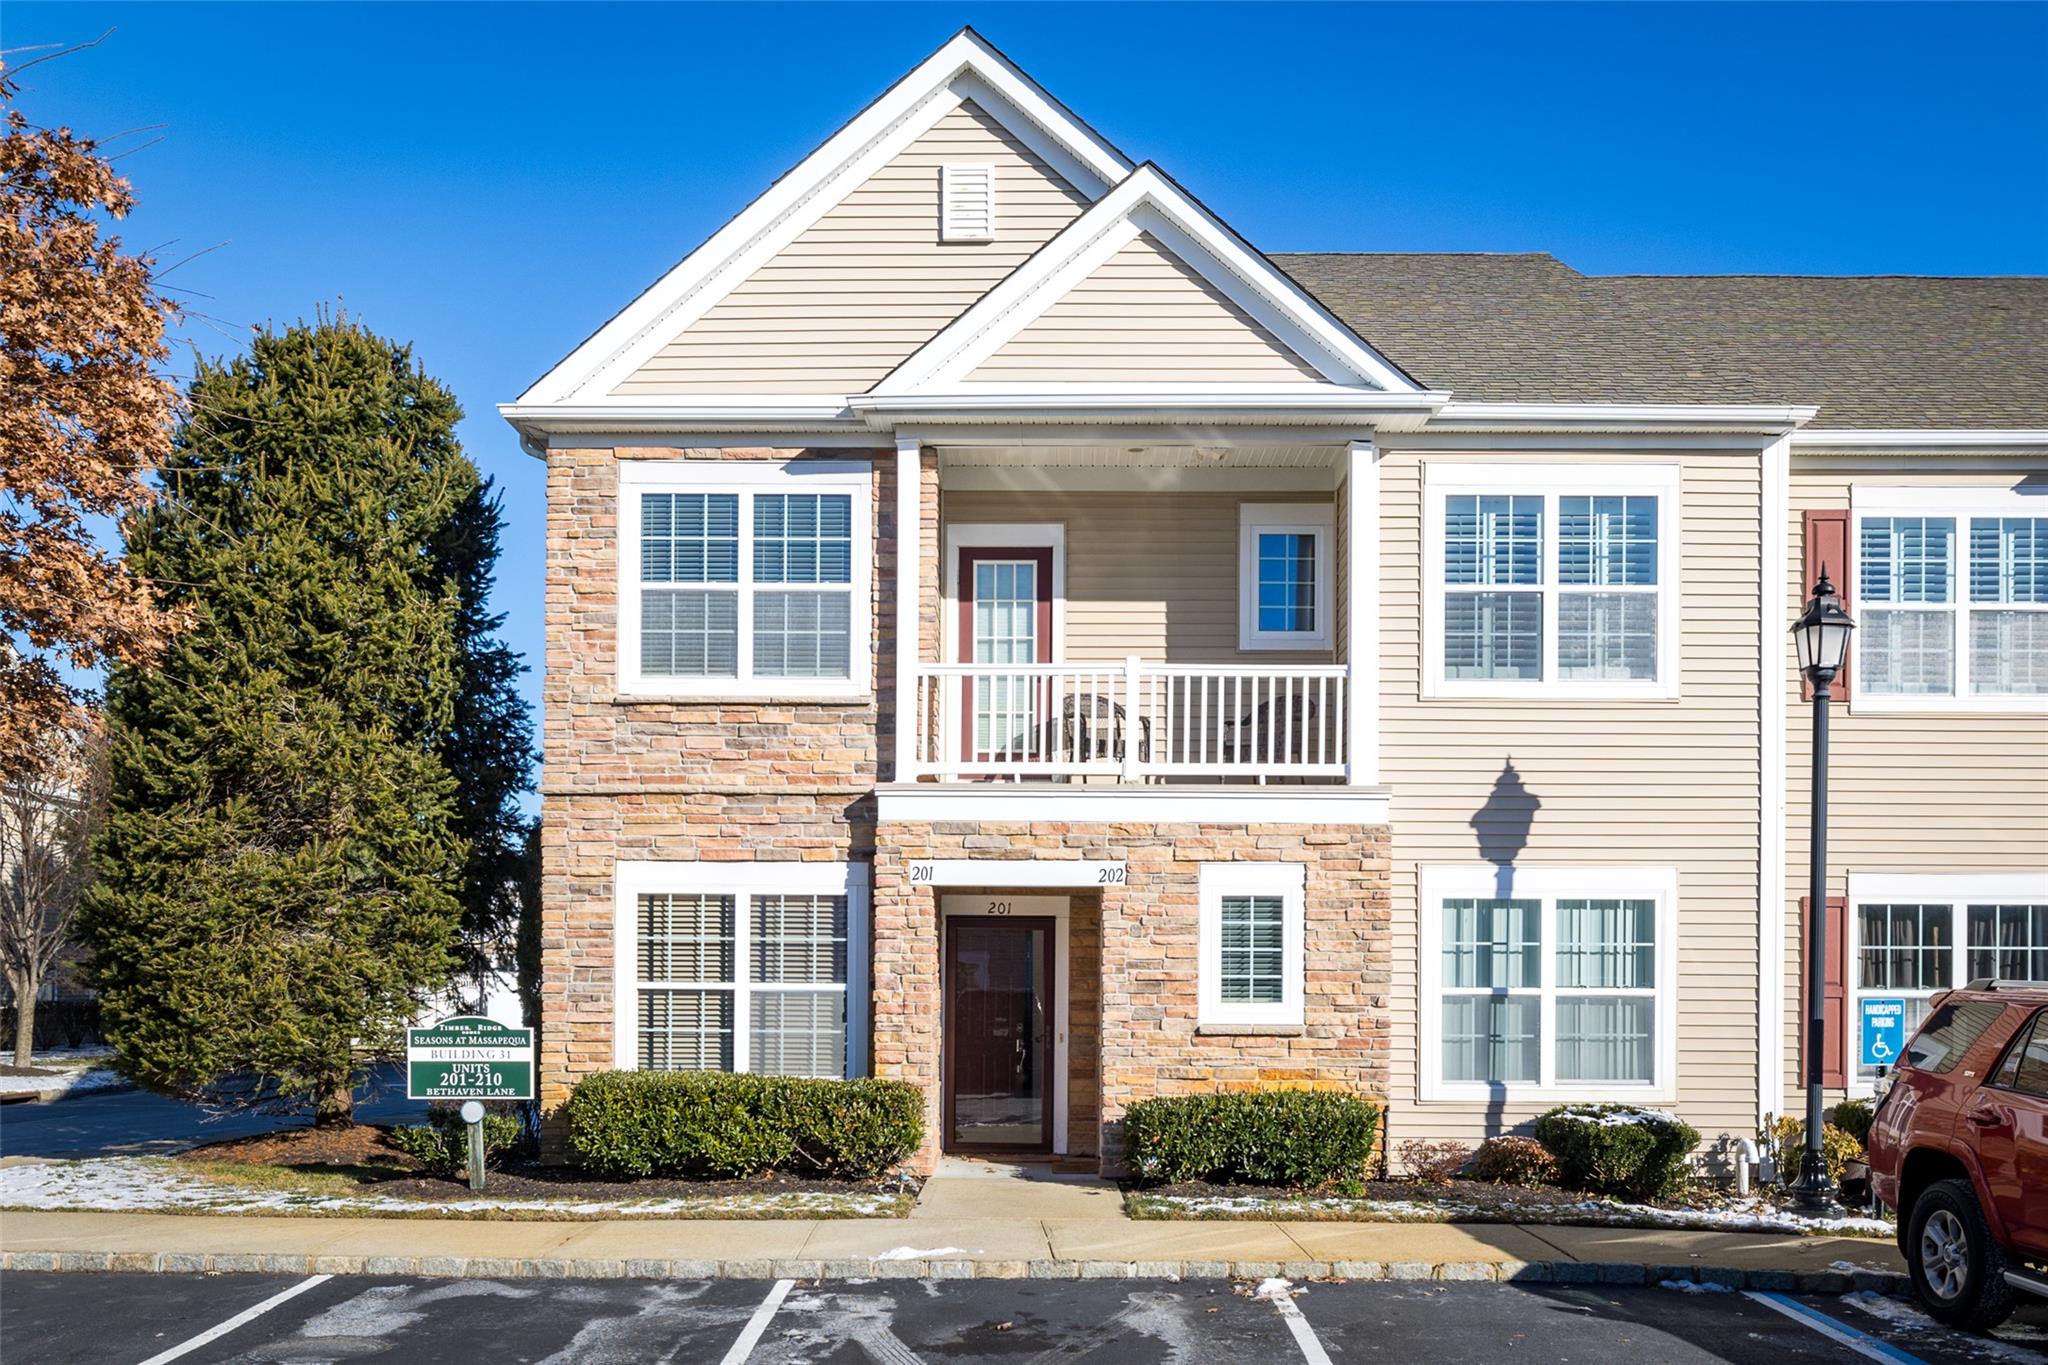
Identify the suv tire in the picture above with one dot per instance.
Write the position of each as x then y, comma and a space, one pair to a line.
1958, 1270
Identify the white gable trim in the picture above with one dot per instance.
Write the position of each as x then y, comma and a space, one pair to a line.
1146, 201
966, 68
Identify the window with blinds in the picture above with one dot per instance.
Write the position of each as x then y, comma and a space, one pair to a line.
1546, 989
1252, 947
1549, 590
1251, 940
1952, 607
784, 1014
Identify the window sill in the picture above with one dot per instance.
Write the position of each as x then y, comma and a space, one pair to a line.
742, 698
1250, 1030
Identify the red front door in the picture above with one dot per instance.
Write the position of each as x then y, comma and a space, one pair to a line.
1005, 618
998, 1033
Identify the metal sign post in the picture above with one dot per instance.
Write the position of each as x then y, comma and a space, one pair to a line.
473, 1117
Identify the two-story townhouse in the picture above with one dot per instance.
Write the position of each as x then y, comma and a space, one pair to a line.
1006, 633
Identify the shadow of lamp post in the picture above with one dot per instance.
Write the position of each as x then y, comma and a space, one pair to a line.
1822, 635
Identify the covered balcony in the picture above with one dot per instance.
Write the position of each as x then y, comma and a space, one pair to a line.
1145, 615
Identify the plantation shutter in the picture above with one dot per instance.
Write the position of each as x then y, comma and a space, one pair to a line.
1834, 995
1827, 543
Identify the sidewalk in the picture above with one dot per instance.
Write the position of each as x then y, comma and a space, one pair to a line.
940, 1247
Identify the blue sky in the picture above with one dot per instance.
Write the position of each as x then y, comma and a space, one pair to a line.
491, 182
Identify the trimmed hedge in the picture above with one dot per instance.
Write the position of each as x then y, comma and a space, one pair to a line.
441, 1144
624, 1124
1513, 1160
1303, 1138
1618, 1149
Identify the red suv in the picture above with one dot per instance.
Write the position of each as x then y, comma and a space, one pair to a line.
1959, 1148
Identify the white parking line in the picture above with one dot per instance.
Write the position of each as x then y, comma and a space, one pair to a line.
750, 1335
1862, 1343
1304, 1335
246, 1315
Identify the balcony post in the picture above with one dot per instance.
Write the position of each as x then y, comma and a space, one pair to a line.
909, 552
1130, 725
1362, 612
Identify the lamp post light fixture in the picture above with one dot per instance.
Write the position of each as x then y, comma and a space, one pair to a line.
1822, 636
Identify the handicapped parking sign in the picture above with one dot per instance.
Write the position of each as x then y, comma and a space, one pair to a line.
1884, 1031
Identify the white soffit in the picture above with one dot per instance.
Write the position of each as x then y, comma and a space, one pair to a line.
1147, 201
966, 68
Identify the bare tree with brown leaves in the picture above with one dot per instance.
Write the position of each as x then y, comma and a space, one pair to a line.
49, 817
84, 418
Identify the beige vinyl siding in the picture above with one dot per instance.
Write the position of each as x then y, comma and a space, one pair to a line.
1150, 574
1144, 316
1930, 792
1665, 783
869, 282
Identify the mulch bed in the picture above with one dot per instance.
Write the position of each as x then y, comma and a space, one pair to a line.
364, 1151
9, 1069
1478, 1195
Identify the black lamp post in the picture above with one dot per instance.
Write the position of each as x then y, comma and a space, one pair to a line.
1822, 634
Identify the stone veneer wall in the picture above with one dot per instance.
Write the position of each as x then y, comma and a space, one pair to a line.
636, 778
1150, 1044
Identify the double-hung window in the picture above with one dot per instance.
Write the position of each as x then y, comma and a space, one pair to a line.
1284, 584
740, 578
755, 967
1915, 935
1250, 944
1548, 981
1550, 580
1951, 599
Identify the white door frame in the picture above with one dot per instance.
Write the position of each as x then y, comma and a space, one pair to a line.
974, 905
1002, 535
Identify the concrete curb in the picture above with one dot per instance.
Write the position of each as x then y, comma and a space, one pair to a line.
557, 1268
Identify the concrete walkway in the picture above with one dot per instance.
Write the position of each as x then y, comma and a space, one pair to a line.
942, 1243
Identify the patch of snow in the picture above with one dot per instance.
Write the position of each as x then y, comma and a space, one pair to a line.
1900, 1314
64, 1082
1273, 1289
136, 1184
1694, 1286
1616, 1117
918, 1253
1734, 1215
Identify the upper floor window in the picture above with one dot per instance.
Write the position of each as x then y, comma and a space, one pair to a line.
1551, 580
1951, 599
738, 578
1283, 566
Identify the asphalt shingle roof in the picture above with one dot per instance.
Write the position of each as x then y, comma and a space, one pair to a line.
1886, 351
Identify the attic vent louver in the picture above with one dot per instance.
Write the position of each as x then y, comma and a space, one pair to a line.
967, 202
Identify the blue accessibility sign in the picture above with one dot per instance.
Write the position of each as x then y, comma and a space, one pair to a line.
1884, 1031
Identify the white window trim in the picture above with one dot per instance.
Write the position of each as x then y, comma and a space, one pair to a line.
853, 477
1959, 503
1955, 890
1442, 479
1548, 884
1297, 518
1288, 881
632, 880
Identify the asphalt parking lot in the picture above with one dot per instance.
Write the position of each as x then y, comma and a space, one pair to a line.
58, 1318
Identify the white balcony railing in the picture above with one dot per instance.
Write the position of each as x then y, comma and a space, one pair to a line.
1133, 720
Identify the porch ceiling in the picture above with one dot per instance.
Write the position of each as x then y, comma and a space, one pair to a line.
1153, 468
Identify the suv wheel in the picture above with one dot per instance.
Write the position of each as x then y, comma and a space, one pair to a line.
1958, 1270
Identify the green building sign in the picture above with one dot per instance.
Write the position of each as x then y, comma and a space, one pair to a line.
469, 1058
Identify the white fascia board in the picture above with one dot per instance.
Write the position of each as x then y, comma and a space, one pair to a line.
1772, 418
1242, 807
1178, 406
1146, 201
966, 67
1955, 439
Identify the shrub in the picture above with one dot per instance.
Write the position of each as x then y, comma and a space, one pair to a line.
1785, 1138
1434, 1163
441, 1144
1261, 1137
1853, 1117
1618, 1148
697, 1123
1514, 1161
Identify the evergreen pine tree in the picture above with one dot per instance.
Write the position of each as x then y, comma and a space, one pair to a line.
281, 876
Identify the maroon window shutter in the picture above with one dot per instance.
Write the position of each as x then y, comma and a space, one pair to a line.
1827, 544
1834, 996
